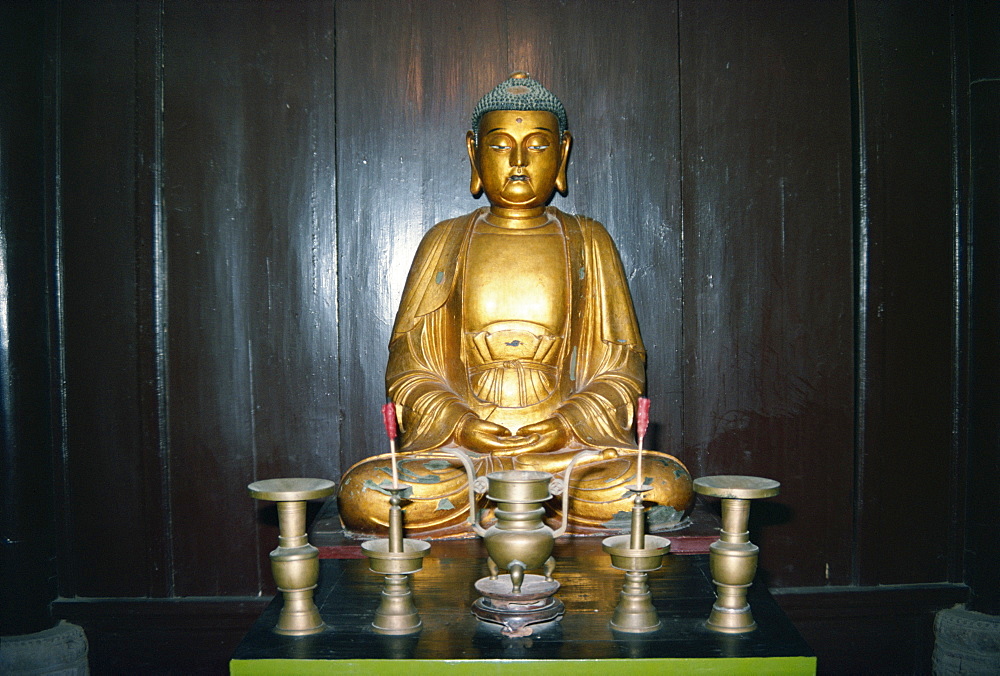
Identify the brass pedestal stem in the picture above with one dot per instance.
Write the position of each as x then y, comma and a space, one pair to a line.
636, 554
397, 558
295, 562
733, 558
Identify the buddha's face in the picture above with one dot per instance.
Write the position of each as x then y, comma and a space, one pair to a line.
520, 159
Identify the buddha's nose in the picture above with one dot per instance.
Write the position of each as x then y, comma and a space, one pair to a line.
518, 158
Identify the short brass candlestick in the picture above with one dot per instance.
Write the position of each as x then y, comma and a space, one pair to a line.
295, 563
637, 554
396, 557
733, 558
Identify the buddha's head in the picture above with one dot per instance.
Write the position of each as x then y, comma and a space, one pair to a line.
518, 145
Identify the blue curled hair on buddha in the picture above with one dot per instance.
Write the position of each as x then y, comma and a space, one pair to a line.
519, 92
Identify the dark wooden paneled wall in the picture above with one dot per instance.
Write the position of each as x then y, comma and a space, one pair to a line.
768, 251
911, 270
113, 539
983, 544
251, 272
27, 525
244, 185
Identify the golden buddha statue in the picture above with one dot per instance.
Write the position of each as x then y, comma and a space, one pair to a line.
515, 341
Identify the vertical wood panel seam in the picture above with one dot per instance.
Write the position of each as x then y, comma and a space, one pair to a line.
67, 563
681, 224
961, 327
861, 284
341, 398
253, 459
335, 168
148, 448
160, 300
506, 38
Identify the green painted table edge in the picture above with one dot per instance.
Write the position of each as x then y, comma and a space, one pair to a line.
775, 666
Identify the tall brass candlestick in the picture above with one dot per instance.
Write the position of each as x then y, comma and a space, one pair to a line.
295, 563
733, 558
637, 554
397, 558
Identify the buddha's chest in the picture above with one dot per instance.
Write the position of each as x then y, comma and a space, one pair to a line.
516, 277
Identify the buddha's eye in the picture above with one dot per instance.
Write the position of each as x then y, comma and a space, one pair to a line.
538, 147
499, 143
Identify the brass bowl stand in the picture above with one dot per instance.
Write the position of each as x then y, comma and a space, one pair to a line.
733, 558
295, 562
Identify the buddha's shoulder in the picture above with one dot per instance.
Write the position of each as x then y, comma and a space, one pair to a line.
443, 233
452, 225
590, 228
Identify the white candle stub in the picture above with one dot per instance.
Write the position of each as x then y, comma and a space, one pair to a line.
395, 470
638, 474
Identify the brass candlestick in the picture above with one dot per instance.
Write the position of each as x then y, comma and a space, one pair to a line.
295, 563
637, 554
396, 557
733, 558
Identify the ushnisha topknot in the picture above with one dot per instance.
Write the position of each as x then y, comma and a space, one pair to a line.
519, 92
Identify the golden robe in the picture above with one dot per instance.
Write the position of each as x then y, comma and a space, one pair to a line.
600, 375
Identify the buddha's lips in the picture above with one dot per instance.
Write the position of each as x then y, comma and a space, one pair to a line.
518, 177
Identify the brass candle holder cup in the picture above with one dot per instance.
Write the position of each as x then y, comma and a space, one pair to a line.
637, 554
397, 558
295, 562
733, 558
519, 541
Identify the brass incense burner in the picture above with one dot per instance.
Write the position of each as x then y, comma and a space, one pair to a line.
519, 541
733, 558
295, 562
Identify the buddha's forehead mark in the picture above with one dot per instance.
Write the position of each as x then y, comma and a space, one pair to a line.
519, 120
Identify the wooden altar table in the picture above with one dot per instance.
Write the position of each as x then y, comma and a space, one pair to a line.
452, 641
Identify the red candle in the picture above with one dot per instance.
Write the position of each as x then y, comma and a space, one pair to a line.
641, 423
389, 418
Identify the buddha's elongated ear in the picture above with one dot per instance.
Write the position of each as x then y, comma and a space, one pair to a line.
567, 141
475, 183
